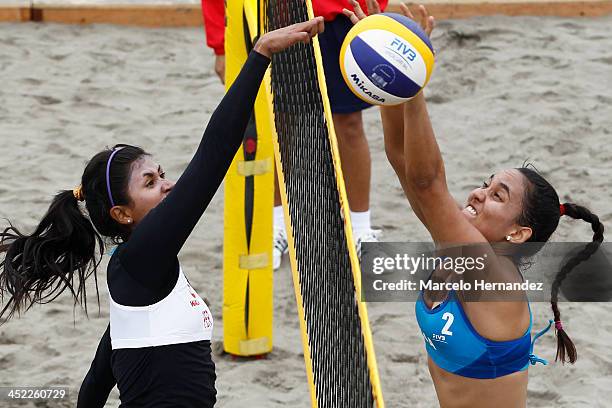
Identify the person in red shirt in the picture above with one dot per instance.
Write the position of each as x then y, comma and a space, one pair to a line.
346, 111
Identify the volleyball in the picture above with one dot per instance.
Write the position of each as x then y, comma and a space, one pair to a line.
386, 59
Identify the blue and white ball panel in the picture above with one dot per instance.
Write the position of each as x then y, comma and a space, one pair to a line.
361, 83
386, 59
385, 75
396, 51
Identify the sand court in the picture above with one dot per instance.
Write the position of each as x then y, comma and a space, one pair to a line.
505, 89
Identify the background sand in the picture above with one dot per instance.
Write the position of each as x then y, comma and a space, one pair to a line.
504, 90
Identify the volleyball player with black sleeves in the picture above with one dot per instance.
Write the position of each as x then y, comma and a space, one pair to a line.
157, 346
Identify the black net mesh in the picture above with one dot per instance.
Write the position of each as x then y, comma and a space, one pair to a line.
336, 342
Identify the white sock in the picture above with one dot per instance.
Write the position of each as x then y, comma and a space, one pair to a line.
279, 218
361, 221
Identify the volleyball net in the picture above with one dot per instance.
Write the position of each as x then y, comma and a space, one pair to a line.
338, 348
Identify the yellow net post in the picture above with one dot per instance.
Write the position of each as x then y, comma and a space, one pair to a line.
249, 199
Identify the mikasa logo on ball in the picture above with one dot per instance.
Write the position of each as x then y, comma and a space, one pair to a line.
365, 90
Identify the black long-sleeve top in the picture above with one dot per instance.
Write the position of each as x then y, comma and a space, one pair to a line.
145, 269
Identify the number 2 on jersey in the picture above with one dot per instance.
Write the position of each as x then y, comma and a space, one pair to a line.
449, 321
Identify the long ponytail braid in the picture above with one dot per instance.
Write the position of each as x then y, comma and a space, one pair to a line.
566, 351
542, 212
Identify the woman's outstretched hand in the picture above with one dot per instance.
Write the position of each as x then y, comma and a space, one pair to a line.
426, 21
358, 13
283, 38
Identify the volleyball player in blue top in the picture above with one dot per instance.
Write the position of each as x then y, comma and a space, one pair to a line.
478, 352
157, 347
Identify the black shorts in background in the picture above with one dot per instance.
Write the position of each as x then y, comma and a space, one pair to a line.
341, 98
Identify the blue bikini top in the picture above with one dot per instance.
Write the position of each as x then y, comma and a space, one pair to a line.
454, 345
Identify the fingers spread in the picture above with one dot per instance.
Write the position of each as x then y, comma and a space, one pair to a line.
406, 11
373, 7
423, 16
424, 19
358, 11
431, 24
351, 16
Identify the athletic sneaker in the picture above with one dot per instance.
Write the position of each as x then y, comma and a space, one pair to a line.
370, 235
280, 247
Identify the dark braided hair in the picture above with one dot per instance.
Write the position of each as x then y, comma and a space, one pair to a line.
542, 212
66, 247
564, 343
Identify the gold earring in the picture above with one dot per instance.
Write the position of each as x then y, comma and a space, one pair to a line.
129, 221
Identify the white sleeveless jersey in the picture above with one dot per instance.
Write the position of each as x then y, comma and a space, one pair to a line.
181, 317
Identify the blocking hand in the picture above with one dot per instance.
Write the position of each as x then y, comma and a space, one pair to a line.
283, 38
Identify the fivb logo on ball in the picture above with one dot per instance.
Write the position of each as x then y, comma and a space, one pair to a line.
404, 50
386, 59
